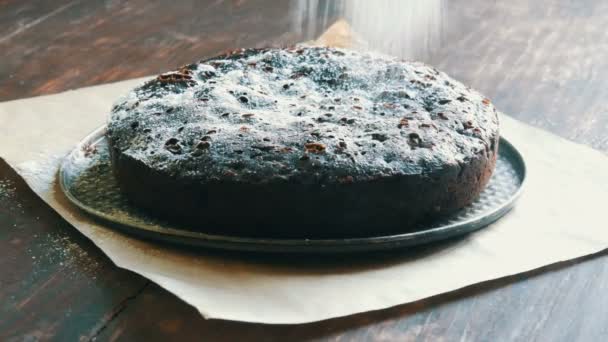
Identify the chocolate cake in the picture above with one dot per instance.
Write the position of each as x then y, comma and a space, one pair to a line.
303, 142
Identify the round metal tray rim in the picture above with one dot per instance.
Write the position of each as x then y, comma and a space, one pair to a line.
250, 243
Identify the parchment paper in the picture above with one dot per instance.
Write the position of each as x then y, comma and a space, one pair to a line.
560, 216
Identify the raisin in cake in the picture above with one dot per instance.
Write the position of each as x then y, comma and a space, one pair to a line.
303, 142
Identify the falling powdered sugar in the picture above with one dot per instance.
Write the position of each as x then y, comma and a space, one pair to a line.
404, 28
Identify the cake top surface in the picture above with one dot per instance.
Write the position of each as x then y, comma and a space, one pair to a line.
314, 114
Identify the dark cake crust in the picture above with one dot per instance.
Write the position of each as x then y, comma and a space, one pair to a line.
303, 142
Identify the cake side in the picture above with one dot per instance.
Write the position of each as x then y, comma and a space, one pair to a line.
291, 210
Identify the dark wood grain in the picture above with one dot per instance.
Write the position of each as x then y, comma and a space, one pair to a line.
51, 46
53, 281
544, 62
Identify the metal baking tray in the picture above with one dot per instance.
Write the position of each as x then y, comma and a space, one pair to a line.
86, 179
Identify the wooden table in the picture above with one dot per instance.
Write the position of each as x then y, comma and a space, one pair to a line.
544, 62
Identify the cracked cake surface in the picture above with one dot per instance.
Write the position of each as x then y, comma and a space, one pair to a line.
326, 125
